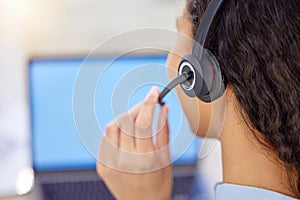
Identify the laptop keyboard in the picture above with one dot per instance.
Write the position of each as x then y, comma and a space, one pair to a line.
96, 190
85, 190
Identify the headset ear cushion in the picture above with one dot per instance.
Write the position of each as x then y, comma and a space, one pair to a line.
189, 64
212, 77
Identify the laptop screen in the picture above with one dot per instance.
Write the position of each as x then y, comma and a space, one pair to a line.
56, 143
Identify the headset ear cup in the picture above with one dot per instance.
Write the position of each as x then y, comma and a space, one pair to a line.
212, 76
207, 82
190, 64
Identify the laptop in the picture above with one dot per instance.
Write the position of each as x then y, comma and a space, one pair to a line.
63, 156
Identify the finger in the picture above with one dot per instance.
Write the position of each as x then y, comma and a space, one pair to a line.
146, 111
109, 147
112, 133
162, 137
134, 112
126, 142
129, 117
143, 123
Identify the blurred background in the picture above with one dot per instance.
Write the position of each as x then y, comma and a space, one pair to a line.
31, 28
57, 28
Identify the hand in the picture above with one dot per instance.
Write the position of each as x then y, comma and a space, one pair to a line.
130, 163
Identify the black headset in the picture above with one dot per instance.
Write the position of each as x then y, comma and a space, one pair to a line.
200, 74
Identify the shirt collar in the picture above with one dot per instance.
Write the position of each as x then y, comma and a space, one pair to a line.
236, 192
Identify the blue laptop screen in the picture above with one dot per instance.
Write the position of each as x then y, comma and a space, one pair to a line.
56, 143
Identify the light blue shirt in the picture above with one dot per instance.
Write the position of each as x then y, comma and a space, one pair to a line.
237, 192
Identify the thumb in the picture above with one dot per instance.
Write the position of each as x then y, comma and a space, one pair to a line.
162, 137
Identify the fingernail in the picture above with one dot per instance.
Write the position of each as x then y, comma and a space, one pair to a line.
153, 92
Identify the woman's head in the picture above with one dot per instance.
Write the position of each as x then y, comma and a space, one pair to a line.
258, 46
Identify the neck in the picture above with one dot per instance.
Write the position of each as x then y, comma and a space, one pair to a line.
246, 161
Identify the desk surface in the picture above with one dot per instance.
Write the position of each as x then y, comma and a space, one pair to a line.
24, 197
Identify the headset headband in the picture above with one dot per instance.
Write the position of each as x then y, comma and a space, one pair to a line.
197, 53
204, 26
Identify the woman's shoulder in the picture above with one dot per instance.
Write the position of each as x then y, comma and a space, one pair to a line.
226, 191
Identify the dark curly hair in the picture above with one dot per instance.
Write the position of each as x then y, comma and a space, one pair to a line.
258, 46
